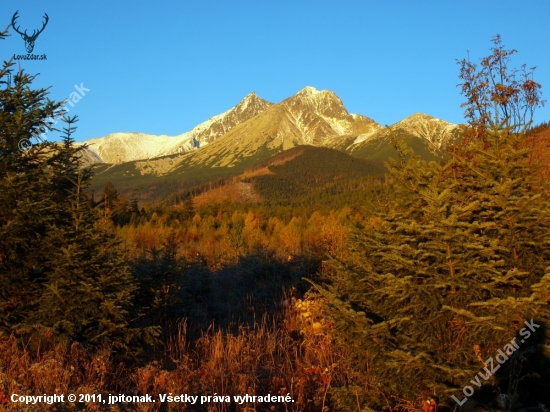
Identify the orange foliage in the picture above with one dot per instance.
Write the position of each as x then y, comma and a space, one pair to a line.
296, 358
221, 239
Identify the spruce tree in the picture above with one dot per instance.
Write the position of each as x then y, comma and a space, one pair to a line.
88, 294
60, 267
188, 209
160, 277
26, 208
110, 197
121, 214
134, 206
455, 265
134, 209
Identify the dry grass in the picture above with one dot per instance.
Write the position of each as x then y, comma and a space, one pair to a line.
291, 356
60, 369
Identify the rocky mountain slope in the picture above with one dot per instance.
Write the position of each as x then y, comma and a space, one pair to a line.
124, 147
256, 130
426, 134
309, 117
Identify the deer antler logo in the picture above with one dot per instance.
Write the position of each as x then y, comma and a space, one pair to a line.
29, 40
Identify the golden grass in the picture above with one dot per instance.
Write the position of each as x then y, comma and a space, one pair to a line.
290, 356
60, 369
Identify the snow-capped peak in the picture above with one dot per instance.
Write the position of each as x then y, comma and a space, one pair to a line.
123, 147
309, 90
436, 131
249, 99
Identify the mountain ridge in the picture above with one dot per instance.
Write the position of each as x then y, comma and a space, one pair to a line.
122, 147
256, 130
311, 116
424, 133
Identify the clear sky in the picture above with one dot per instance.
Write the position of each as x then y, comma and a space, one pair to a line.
162, 67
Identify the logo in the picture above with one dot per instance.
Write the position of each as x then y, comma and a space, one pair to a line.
29, 40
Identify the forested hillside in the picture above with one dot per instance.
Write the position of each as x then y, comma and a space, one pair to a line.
302, 176
315, 170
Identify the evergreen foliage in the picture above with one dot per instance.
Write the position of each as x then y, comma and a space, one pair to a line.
26, 204
5, 33
448, 274
314, 170
445, 273
134, 206
188, 208
89, 292
110, 197
61, 270
160, 277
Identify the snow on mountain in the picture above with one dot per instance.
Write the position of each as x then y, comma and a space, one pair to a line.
320, 116
256, 129
311, 116
436, 131
124, 147
433, 134
218, 125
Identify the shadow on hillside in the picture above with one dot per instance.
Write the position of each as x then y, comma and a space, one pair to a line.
229, 298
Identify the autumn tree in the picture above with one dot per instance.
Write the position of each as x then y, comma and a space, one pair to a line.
496, 94
458, 262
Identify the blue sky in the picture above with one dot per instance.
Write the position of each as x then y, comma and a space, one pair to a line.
164, 67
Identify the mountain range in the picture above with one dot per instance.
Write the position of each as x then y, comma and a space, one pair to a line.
255, 130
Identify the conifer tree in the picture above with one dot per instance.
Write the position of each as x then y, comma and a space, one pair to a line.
60, 269
160, 278
110, 197
64, 171
89, 292
134, 209
455, 266
134, 206
26, 208
121, 213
